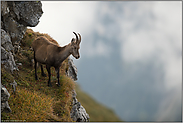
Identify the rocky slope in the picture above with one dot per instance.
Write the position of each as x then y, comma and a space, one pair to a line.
31, 100
15, 18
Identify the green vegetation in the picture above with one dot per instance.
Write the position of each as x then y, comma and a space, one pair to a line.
35, 101
97, 111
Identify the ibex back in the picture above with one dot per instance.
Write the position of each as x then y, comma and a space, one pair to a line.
51, 54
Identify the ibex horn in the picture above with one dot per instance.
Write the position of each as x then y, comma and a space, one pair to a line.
76, 37
79, 38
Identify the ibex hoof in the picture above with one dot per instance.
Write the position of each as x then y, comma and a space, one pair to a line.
49, 85
58, 84
44, 75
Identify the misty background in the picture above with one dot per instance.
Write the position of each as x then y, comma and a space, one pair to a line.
131, 53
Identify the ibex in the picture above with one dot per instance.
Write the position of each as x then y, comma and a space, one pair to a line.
51, 54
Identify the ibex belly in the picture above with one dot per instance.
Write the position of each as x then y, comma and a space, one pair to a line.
41, 56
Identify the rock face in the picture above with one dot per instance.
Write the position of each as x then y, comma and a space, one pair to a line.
6, 41
7, 60
72, 70
7, 48
15, 17
4, 100
78, 112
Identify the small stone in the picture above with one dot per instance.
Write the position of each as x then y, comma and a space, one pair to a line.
4, 100
14, 84
19, 64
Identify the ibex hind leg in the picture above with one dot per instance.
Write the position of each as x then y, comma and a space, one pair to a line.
49, 75
58, 76
42, 71
35, 66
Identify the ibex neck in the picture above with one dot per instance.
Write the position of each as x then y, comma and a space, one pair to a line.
65, 52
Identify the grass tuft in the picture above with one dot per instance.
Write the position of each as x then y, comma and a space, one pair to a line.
34, 101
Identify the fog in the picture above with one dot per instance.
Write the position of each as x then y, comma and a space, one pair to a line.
131, 53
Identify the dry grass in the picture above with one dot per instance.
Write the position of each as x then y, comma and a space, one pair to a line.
35, 101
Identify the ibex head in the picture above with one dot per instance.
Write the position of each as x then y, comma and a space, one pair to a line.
75, 46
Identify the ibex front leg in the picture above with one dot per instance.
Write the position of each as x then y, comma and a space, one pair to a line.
35, 66
58, 75
49, 75
42, 71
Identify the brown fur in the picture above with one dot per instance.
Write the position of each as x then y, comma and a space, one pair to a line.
48, 52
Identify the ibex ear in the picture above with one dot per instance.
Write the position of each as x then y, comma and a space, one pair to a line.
72, 41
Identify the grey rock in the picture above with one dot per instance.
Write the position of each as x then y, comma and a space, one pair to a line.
28, 12
15, 29
17, 15
6, 41
78, 112
4, 100
17, 48
72, 70
7, 60
19, 64
4, 8
4, 54
14, 84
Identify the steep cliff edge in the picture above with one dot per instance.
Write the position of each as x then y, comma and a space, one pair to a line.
15, 17
35, 101
21, 95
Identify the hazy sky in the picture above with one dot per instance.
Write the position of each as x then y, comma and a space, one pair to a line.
143, 33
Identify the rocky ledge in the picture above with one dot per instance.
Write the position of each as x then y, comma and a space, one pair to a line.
78, 112
15, 17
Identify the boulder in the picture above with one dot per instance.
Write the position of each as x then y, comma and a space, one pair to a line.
8, 61
17, 15
72, 70
6, 41
28, 13
15, 29
78, 112
4, 100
